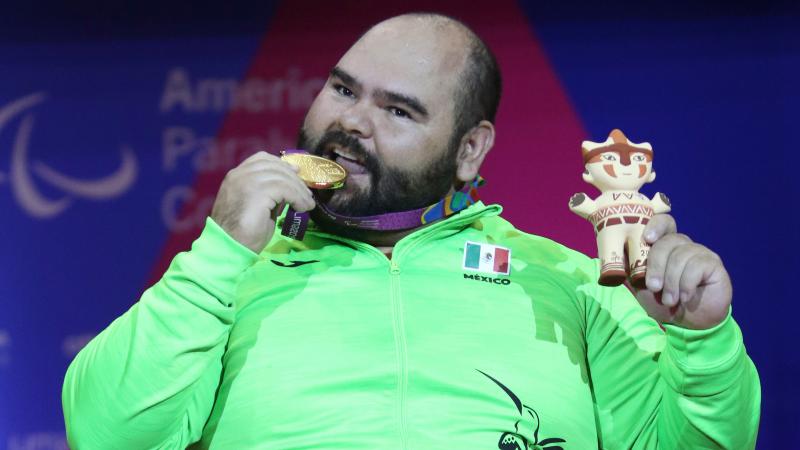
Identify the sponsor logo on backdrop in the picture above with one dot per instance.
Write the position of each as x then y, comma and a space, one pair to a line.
183, 95
20, 176
291, 92
5, 348
40, 440
186, 95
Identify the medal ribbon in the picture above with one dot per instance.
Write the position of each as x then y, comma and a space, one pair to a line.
295, 223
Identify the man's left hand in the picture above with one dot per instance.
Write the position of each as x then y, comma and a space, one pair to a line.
687, 284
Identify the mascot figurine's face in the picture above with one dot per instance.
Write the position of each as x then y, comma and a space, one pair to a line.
617, 164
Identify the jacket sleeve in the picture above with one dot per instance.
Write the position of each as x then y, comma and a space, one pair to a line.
149, 379
667, 389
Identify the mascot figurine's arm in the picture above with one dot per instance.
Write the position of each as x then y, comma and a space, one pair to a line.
582, 205
660, 203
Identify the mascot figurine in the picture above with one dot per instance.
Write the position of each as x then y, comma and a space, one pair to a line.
619, 168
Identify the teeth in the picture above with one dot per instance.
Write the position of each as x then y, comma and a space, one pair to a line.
345, 154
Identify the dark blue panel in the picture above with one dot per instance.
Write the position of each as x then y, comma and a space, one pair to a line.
95, 82
714, 88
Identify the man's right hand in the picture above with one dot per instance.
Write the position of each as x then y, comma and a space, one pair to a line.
252, 192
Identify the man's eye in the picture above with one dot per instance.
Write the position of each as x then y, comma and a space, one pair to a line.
638, 158
343, 90
398, 112
608, 157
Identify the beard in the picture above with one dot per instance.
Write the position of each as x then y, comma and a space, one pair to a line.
390, 189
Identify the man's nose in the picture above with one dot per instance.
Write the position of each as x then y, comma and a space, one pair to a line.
356, 120
625, 159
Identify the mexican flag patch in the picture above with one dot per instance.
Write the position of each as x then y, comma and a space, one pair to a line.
486, 258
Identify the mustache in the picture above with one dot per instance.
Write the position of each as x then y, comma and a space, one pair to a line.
344, 140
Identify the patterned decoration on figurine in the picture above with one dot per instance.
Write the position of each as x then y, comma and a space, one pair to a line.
619, 168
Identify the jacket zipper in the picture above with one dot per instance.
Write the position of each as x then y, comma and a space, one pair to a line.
401, 349
400, 334
398, 328
397, 319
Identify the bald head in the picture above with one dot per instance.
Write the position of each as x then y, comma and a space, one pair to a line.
443, 30
462, 52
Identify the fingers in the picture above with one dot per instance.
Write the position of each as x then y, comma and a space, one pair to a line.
302, 202
282, 167
276, 181
250, 195
282, 189
264, 159
698, 269
259, 156
659, 225
677, 267
687, 283
680, 271
658, 257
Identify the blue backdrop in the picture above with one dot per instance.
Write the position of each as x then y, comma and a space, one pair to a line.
98, 161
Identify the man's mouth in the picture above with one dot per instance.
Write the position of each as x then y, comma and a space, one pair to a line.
351, 163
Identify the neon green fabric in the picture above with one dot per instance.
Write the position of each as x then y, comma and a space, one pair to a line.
326, 343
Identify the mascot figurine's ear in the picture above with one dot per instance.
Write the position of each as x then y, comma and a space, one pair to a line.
619, 168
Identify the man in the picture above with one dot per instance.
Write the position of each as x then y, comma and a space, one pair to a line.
364, 338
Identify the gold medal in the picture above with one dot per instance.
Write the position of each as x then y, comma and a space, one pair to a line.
317, 172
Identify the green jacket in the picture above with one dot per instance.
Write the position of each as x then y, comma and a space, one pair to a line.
326, 343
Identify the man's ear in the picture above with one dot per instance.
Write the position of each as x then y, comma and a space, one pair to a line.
652, 177
475, 145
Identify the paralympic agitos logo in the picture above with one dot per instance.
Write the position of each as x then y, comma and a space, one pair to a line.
20, 174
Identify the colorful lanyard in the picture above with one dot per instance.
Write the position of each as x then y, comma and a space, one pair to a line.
295, 223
